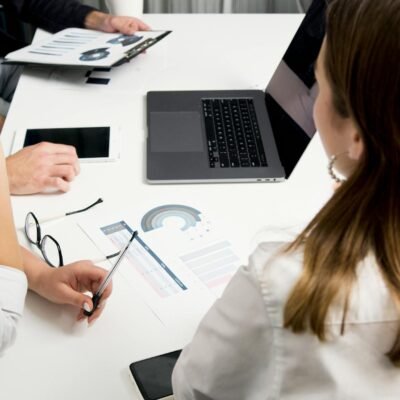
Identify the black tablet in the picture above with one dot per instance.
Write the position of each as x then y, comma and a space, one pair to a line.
98, 143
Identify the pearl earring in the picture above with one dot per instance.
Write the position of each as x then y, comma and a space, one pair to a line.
332, 173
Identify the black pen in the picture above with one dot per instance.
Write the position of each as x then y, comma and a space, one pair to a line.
97, 296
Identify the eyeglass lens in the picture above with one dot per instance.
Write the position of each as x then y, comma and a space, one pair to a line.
32, 229
49, 247
51, 251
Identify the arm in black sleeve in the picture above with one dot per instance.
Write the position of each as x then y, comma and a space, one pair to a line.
51, 15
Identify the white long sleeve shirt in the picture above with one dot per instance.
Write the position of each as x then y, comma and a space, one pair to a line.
13, 288
241, 350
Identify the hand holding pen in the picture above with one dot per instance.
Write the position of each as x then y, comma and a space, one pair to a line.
103, 286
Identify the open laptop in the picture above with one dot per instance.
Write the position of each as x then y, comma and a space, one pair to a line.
239, 135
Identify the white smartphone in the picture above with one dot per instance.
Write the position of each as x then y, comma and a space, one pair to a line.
153, 376
93, 144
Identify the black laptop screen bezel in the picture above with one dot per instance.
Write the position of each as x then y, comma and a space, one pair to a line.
300, 57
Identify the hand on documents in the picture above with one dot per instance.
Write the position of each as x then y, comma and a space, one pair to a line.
66, 285
42, 167
110, 23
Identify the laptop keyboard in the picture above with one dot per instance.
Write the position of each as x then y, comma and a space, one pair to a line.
233, 134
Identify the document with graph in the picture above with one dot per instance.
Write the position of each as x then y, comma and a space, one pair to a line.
75, 47
179, 262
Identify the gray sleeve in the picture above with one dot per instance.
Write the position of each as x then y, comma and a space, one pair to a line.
9, 76
231, 351
4, 106
51, 15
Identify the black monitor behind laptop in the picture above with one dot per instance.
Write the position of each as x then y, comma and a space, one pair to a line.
300, 58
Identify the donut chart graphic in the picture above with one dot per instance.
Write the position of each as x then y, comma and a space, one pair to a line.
155, 218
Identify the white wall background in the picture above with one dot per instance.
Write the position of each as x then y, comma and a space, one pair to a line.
205, 6
236, 6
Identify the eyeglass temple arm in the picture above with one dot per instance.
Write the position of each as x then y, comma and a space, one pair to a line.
59, 216
98, 201
53, 218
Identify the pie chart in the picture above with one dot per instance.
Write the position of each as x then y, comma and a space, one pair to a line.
156, 218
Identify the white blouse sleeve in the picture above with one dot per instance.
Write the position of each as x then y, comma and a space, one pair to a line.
13, 287
230, 352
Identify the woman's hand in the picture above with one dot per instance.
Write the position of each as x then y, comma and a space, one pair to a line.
67, 285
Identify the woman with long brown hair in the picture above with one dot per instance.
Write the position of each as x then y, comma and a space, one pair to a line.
319, 318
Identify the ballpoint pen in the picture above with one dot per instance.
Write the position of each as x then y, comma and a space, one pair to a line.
97, 296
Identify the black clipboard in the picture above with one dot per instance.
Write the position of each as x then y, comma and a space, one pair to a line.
140, 48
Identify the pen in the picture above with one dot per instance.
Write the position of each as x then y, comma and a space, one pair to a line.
97, 296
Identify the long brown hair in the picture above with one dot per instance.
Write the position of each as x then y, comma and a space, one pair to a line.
362, 63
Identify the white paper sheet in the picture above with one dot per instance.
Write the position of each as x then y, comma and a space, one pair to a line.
179, 263
83, 47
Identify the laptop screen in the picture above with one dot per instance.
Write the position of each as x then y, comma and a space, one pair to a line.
292, 90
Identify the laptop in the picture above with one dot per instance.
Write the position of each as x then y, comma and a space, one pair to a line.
239, 135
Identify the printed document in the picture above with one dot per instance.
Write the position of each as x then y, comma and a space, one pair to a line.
77, 47
179, 263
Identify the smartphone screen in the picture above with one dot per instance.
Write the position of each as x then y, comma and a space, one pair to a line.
92, 142
153, 375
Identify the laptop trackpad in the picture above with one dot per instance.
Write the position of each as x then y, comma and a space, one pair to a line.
176, 132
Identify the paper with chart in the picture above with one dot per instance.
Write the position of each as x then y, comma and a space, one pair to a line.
83, 47
179, 263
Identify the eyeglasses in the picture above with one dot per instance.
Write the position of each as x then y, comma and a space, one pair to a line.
48, 246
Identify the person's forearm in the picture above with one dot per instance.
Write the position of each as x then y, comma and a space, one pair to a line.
34, 268
10, 254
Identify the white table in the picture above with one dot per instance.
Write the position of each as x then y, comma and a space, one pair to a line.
57, 359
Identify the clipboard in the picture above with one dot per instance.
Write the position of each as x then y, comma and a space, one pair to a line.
83, 48
140, 48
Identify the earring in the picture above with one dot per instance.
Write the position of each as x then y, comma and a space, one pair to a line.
332, 172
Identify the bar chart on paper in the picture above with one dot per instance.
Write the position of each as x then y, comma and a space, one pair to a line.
180, 253
212, 262
145, 261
